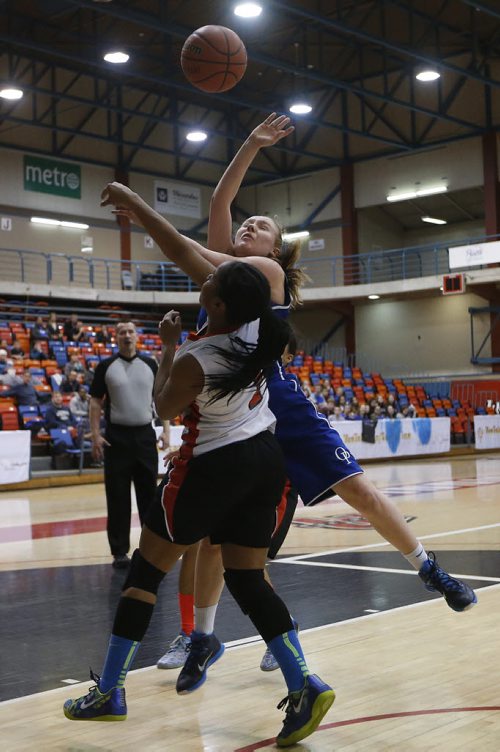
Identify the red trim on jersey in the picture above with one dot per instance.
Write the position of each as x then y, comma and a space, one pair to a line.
180, 466
281, 508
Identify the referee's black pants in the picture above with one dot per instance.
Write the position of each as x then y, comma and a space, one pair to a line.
131, 457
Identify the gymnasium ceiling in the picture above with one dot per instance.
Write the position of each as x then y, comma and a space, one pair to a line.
354, 60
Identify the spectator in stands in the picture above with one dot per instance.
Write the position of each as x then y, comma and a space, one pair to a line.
390, 412
16, 348
70, 383
103, 337
5, 363
337, 415
79, 403
79, 334
53, 326
74, 364
408, 411
58, 414
36, 352
39, 330
24, 392
70, 326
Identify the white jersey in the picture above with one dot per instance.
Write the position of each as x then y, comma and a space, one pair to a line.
230, 419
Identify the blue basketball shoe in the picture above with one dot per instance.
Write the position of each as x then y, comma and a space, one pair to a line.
457, 594
204, 651
305, 710
98, 706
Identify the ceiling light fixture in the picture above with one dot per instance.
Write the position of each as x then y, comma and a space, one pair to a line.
373, 297
117, 57
434, 221
10, 92
300, 108
59, 223
427, 75
405, 195
196, 136
248, 10
295, 235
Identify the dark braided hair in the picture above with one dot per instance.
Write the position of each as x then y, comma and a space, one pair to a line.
246, 294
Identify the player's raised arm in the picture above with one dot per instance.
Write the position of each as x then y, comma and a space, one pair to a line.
268, 133
194, 260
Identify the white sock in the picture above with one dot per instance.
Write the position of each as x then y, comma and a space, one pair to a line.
204, 619
417, 557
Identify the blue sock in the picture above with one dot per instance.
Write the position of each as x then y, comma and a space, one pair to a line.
287, 650
121, 653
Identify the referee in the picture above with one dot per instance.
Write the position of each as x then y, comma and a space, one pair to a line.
123, 383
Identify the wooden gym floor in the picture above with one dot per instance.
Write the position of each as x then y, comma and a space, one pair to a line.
410, 674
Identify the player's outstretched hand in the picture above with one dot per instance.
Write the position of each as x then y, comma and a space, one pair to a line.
273, 129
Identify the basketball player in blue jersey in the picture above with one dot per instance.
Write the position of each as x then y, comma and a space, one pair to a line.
327, 465
216, 380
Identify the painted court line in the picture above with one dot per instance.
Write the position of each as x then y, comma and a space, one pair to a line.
381, 569
248, 641
370, 718
367, 546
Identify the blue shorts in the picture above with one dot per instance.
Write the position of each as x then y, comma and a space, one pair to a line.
316, 457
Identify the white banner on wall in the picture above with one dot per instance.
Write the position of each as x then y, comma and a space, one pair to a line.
175, 198
397, 438
15, 454
474, 255
487, 431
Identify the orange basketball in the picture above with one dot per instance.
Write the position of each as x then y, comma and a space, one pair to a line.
213, 58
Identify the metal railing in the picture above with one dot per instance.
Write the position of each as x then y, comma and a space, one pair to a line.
107, 274
86, 271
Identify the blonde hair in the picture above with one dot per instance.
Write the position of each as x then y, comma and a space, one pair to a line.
288, 255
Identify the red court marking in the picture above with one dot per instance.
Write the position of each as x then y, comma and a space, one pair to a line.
365, 719
55, 529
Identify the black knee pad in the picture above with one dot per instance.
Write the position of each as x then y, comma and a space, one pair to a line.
256, 598
247, 587
143, 575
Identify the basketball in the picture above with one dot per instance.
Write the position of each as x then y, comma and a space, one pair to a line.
213, 58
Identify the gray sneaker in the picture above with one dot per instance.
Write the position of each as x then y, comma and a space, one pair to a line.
177, 652
269, 662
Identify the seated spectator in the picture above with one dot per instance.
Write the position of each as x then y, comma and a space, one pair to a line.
74, 364
24, 392
79, 334
16, 348
317, 396
79, 404
337, 414
70, 326
5, 362
39, 331
103, 337
353, 413
70, 383
59, 415
36, 352
408, 411
53, 326
390, 412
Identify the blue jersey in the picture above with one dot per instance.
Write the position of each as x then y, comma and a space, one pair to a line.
316, 457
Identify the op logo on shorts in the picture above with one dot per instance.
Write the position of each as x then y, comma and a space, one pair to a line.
343, 455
